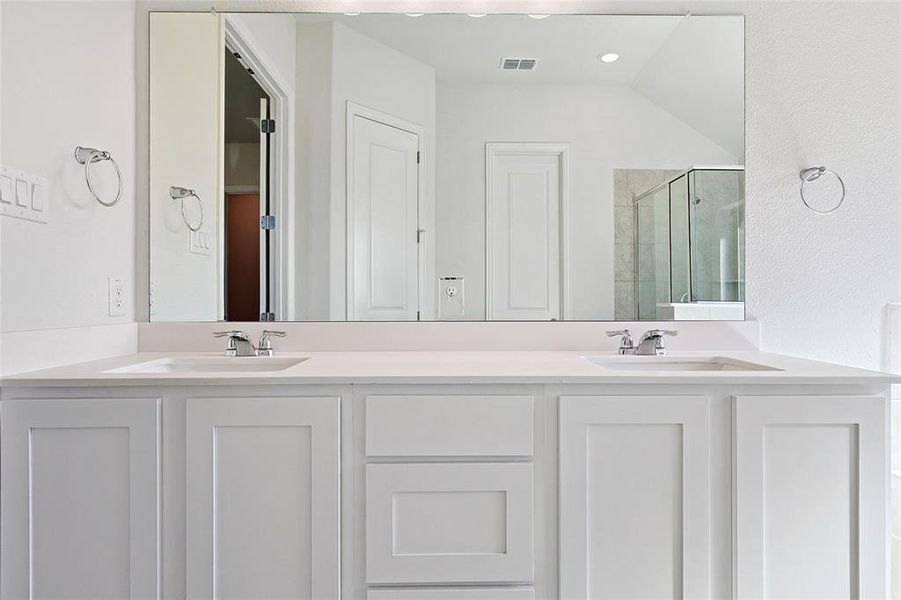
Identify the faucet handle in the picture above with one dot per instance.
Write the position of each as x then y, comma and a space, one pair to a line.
659, 333
267, 333
265, 346
625, 343
233, 334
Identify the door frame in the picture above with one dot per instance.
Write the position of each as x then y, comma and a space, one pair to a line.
282, 273
562, 150
424, 203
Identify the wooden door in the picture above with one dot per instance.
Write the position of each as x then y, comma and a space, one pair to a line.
80, 511
810, 496
263, 502
242, 257
383, 252
524, 194
634, 497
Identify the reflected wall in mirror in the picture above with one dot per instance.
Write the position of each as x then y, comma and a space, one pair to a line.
385, 167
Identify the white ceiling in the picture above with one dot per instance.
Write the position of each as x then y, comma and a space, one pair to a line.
462, 48
693, 67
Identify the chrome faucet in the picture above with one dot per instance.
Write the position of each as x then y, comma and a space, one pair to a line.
649, 344
238, 343
265, 347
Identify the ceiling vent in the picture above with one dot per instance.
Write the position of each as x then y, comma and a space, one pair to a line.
518, 64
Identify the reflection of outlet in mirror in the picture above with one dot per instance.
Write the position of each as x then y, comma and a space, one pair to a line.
200, 242
116, 288
450, 298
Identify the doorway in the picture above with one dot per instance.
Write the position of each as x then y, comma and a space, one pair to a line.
247, 203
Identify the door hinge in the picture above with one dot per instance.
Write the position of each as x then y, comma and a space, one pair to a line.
418, 157
267, 125
267, 316
419, 233
417, 316
267, 222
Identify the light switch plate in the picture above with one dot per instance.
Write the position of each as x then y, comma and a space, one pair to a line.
451, 303
116, 287
199, 242
23, 195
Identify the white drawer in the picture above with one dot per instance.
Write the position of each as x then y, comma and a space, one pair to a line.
449, 523
464, 593
460, 425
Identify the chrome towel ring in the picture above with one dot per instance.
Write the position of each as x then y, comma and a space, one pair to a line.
814, 173
180, 193
87, 157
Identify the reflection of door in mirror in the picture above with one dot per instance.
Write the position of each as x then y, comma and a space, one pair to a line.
383, 230
526, 194
246, 198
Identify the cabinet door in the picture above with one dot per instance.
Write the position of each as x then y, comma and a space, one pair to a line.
810, 497
634, 497
80, 482
263, 497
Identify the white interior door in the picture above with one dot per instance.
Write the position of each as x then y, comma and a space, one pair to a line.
525, 193
383, 270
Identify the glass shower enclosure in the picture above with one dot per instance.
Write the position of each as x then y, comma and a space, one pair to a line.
689, 246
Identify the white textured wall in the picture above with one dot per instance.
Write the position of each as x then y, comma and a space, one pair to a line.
53, 98
823, 88
607, 128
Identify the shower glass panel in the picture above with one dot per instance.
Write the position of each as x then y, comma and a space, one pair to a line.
689, 246
653, 253
717, 235
679, 240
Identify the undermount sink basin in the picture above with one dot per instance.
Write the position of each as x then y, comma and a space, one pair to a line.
223, 364
675, 363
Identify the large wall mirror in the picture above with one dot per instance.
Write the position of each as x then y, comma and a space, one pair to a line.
446, 167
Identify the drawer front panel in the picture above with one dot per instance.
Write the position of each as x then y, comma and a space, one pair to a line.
467, 593
459, 425
449, 523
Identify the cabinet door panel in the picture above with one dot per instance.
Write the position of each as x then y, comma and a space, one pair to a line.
634, 501
449, 523
810, 487
81, 498
263, 497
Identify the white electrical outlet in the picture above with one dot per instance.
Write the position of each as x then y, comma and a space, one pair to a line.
450, 298
116, 287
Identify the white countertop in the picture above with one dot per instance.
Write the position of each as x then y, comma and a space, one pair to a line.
431, 367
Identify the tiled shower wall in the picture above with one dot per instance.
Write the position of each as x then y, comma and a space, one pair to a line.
628, 183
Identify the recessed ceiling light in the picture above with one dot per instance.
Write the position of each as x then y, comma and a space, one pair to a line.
539, 16
414, 14
351, 14
609, 57
476, 15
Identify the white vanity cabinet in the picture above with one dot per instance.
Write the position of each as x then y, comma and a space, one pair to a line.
80, 506
468, 491
634, 497
263, 497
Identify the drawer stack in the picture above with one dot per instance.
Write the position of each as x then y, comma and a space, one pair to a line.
457, 514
